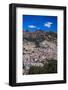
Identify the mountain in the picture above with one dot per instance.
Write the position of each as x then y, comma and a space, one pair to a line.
38, 48
40, 36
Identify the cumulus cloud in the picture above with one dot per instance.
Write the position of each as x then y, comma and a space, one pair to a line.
32, 26
48, 24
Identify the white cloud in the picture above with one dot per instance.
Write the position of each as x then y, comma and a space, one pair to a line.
48, 24
32, 26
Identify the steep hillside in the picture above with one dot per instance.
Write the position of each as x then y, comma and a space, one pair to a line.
40, 36
38, 48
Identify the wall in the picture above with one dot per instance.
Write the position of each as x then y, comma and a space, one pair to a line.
4, 44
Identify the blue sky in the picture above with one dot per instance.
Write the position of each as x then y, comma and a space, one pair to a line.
37, 22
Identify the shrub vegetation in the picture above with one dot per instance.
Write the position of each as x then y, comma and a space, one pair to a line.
50, 67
